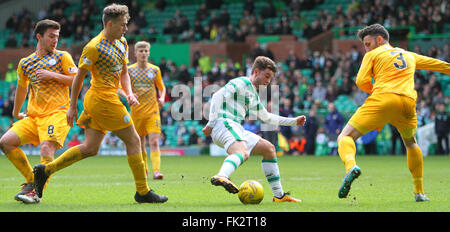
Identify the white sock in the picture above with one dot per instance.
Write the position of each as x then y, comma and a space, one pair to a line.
230, 164
270, 168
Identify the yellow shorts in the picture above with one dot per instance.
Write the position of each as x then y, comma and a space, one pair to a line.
152, 124
103, 115
34, 130
377, 110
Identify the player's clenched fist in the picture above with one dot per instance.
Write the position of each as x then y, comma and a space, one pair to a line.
301, 120
207, 131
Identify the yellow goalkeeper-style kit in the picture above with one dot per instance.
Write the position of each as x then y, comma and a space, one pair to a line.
48, 101
144, 83
387, 73
103, 110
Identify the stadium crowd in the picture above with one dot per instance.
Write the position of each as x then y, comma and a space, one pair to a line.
328, 76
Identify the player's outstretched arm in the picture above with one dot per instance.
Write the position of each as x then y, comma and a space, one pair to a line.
274, 119
429, 63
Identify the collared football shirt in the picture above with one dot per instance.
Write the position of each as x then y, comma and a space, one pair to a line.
46, 97
144, 83
392, 70
105, 60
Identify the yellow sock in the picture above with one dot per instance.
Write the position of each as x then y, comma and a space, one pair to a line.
144, 158
347, 152
45, 160
67, 158
20, 161
137, 168
156, 160
415, 165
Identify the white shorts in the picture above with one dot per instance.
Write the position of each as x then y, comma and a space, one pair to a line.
226, 132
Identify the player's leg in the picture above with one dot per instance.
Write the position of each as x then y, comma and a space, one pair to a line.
415, 164
47, 150
406, 124
155, 154
89, 147
22, 132
9, 144
144, 153
237, 155
134, 156
346, 145
271, 170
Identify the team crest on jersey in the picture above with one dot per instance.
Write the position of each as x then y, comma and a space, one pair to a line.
126, 118
150, 75
52, 62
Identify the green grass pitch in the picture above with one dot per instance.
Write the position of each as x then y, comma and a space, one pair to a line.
105, 184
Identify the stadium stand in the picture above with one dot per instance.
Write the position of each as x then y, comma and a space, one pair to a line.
171, 25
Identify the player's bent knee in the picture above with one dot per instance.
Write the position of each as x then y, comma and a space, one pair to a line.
89, 151
153, 142
245, 155
6, 144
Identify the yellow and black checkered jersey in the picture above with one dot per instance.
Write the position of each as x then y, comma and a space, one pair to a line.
46, 97
393, 70
144, 83
104, 59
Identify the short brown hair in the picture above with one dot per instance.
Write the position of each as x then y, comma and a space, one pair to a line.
373, 30
263, 62
42, 26
113, 12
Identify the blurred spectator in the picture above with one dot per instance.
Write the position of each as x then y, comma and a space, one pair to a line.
160, 5
297, 145
268, 11
311, 128
181, 130
249, 6
13, 23
202, 13
333, 125
74, 141
11, 42
251, 126
319, 92
193, 137
286, 111
369, 142
7, 108
11, 74
180, 141
442, 129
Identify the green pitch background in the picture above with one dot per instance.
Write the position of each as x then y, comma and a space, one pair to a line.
105, 184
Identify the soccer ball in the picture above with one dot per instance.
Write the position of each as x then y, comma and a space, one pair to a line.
251, 192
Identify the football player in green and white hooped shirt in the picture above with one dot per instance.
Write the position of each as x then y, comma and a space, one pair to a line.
229, 106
